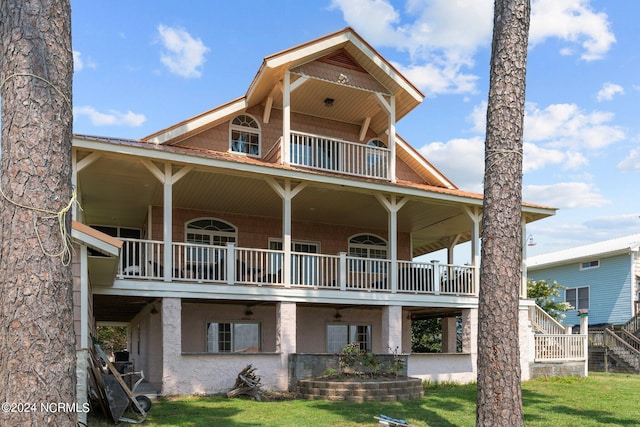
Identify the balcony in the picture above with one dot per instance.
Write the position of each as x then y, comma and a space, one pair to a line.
335, 155
231, 265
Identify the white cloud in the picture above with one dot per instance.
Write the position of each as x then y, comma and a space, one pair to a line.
461, 160
565, 125
631, 162
565, 195
574, 22
442, 36
436, 80
110, 118
608, 91
79, 63
536, 157
183, 54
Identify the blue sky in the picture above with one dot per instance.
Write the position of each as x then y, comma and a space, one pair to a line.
142, 66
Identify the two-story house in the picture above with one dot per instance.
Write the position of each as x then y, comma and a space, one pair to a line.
282, 223
602, 278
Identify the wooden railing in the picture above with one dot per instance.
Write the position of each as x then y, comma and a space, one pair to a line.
559, 347
633, 324
543, 322
621, 349
143, 259
335, 155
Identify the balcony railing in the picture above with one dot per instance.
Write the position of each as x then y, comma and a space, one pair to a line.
142, 259
334, 155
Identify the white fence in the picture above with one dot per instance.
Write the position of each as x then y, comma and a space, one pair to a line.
560, 347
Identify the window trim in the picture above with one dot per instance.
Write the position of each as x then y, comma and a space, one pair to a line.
233, 323
594, 263
210, 233
246, 129
576, 289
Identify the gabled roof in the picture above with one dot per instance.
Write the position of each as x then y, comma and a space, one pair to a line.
617, 246
273, 67
345, 47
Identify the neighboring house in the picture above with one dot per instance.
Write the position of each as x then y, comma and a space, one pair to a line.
603, 278
277, 227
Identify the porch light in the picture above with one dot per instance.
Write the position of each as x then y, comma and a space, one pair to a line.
328, 102
248, 311
337, 316
530, 241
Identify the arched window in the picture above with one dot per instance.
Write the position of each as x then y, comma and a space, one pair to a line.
366, 246
201, 260
245, 135
210, 231
377, 159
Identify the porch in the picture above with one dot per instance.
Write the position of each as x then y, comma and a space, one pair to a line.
229, 265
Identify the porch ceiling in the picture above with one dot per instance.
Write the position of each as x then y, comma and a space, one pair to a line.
118, 191
115, 308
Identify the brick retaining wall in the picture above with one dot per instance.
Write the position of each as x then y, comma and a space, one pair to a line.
381, 390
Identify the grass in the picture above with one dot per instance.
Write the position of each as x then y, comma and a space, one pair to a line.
600, 400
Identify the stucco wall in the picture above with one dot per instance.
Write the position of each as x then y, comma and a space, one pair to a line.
195, 317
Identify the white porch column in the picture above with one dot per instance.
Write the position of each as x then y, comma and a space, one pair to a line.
286, 119
286, 336
523, 286
392, 207
584, 331
390, 107
449, 335
167, 226
392, 328
287, 194
81, 278
476, 217
167, 178
392, 138
171, 345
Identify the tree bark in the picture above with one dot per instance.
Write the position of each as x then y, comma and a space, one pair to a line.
499, 389
37, 340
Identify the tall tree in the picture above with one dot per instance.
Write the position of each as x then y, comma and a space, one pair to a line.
499, 393
37, 342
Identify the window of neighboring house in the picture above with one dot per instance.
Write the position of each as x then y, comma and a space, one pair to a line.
590, 264
341, 334
376, 160
366, 246
245, 135
577, 297
233, 337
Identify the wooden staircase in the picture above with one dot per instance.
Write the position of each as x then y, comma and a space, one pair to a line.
543, 323
621, 346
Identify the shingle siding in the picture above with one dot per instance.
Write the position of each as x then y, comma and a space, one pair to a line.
610, 287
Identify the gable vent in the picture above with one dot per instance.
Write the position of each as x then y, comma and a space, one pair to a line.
343, 59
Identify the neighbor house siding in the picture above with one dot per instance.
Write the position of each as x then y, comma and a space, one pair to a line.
610, 288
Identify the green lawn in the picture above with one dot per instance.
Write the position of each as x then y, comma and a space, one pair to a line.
600, 400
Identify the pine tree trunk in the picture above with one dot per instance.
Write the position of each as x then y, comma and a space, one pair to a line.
37, 341
499, 393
